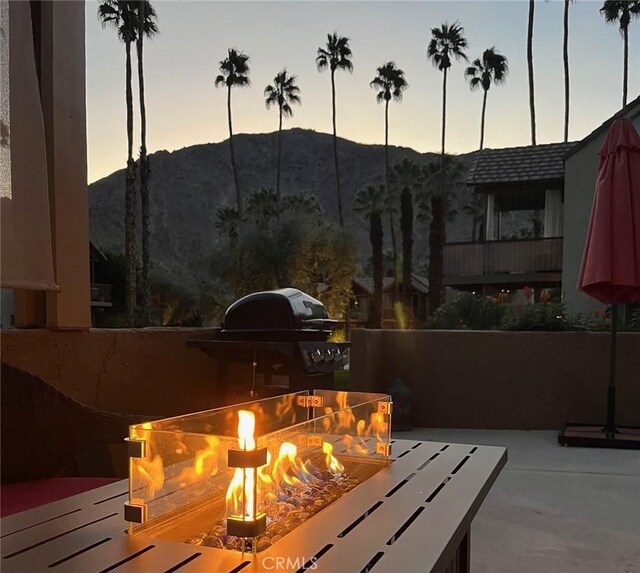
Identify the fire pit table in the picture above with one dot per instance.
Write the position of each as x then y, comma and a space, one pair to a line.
378, 505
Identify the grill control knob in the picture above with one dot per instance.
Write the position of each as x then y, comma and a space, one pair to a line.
316, 355
328, 354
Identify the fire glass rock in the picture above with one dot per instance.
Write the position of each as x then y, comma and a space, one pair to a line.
287, 509
263, 544
212, 541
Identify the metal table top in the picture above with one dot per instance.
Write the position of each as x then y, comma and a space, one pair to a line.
407, 517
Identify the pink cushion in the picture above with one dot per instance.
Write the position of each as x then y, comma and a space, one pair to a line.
16, 497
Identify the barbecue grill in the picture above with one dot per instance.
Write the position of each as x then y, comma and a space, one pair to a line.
282, 336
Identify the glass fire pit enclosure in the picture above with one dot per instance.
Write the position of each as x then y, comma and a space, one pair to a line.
243, 476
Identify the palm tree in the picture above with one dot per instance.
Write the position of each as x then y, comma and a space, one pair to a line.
235, 73
406, 176
122, 15
532, 104
336, 55
492, 69
146, 27
302, 203
565, 60
440, 182
263, 205
227, 222
369, 202
389, 83
622, 11
283, 93
446, 42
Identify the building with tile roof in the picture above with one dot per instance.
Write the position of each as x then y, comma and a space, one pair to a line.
548, 189
519, 196
581, 171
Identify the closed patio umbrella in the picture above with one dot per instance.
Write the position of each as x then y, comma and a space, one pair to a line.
610, 269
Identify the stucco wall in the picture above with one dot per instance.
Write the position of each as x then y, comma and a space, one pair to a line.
459, 379
515, 380
581, 172
143, 371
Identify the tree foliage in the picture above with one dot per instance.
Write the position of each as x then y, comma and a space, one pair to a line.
284, 244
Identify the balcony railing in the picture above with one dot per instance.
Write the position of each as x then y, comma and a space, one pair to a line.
501, 257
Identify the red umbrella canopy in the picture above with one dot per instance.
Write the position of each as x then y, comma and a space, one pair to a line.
610, 269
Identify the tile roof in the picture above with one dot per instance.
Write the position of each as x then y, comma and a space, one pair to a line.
518, 164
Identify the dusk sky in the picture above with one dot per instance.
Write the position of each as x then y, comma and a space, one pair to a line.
184, 108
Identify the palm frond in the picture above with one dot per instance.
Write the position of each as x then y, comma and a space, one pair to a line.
283, 93
235, 70
335, 55
491, 69
446, 41
389, 82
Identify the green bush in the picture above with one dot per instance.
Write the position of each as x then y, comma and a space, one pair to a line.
468, 311
541, 316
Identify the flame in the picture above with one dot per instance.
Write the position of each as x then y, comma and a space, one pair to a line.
205, 464
328, 419
285, 409
150, 469
334, 466
151, 472
240, 494
344, 414
289, 468
378, 426
362, 446
359, 447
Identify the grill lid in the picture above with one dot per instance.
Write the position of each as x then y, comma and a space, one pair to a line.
283, 309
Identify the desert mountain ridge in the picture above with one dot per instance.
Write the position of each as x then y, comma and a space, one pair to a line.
189, 185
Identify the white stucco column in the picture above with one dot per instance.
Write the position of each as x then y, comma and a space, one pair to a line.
489, 231
553, 213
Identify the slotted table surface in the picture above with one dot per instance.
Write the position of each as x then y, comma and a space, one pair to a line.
409, 517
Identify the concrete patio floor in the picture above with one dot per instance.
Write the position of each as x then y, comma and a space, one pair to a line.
553, 509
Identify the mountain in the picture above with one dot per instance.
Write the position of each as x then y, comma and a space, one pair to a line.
190, 184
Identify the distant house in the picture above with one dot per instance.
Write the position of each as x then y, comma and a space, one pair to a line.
519, 198
581, 168
363, 295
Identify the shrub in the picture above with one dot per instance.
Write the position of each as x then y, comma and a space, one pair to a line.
550, 316
468, 311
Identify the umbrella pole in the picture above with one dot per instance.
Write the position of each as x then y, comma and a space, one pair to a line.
610, 428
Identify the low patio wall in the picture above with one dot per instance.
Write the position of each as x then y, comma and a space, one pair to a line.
517, 380
459, 379
138, 371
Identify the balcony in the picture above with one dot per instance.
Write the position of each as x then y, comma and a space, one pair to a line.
531, 260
